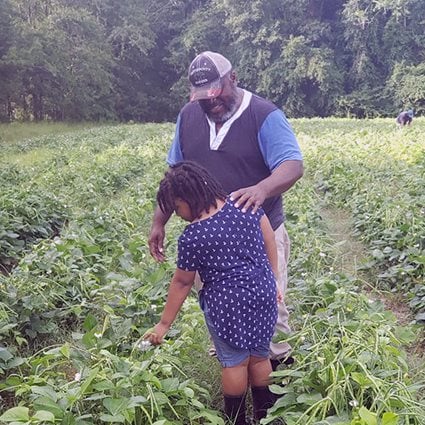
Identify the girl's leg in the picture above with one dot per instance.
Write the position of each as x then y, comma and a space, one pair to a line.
235, 384
235, 379
259, 369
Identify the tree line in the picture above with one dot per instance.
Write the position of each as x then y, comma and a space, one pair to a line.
127, 60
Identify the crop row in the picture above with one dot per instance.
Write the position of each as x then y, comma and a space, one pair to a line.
377, 173
79, 298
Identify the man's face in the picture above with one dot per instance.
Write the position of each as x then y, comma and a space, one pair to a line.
222, 107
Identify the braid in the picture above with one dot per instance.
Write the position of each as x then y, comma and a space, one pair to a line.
191, 183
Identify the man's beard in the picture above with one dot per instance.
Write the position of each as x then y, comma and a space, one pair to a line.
226, 116
230, 107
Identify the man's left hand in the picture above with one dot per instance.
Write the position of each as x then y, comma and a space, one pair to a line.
248, 197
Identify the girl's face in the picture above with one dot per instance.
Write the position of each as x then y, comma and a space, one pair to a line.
182, 210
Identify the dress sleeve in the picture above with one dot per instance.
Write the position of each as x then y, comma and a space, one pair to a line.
187, 257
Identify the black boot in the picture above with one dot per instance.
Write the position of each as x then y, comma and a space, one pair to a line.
262, 399
287, 361
235, 409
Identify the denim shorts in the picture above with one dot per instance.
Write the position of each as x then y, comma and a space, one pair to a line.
228, 355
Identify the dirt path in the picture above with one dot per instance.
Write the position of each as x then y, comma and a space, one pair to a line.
350, 253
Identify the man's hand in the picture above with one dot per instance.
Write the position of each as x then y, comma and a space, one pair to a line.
156, 335
247, 197
156, 242
281, 179
279, 296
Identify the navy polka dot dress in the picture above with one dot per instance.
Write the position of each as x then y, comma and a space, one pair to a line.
228, 251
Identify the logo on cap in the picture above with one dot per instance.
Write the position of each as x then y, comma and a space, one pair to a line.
203, 71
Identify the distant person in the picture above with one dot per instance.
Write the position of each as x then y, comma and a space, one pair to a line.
404, 118
247, 144
235, 254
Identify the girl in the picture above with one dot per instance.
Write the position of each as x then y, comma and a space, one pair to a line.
235, 255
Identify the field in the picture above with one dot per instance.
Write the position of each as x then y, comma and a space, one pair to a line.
78, 288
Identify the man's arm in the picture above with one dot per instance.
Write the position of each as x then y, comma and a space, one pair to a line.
281, 179
157, 234
281, 153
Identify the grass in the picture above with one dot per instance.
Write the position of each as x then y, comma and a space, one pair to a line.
16, 131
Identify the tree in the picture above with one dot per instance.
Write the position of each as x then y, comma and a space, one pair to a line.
7, 71
63, 63
408, 84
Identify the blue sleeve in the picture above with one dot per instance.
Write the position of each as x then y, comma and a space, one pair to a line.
175, 154
277, 140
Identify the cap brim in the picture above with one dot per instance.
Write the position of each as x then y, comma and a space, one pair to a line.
209, 91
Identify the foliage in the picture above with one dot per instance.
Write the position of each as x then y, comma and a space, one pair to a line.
377, 172
83, 289
127, 60
408, 83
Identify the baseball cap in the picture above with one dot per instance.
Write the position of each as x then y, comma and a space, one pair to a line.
205, 74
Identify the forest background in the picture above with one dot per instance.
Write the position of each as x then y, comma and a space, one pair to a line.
85, 60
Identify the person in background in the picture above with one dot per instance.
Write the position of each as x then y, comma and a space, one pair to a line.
235, 254
404, 118
245, 142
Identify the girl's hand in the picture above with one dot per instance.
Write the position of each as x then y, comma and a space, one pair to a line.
156, 335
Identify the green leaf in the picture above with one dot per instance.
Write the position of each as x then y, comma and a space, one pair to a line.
277, 389
16, 414
90, 322
189, 392
136, 401
309, 399
5, 354
45, 391
389, 418
112, 418
68, 419
65, 350
87, 382
44, 416
115, 405
361, 379
212, 418
46, 403
367, 416
170, 384
160, 398
15, 362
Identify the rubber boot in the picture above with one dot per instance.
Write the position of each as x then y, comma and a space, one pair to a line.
235, 409
262, 399
288, 361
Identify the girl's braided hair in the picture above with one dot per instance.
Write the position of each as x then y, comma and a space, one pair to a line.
191, 183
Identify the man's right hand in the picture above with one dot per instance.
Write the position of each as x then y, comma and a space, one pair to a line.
156, 242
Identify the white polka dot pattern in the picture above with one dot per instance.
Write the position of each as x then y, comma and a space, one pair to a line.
228, 251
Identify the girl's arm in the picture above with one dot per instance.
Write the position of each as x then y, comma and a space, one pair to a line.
180, 286
271, 249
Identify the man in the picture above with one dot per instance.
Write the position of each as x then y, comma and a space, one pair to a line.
248, 145
404, 118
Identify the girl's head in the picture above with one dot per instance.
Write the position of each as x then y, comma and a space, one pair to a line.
188, 183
